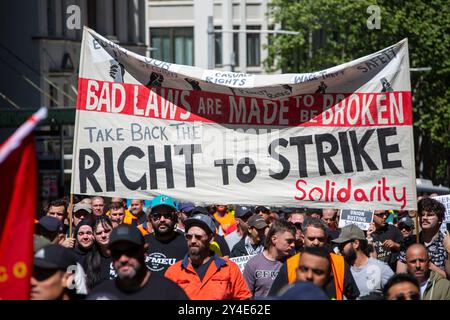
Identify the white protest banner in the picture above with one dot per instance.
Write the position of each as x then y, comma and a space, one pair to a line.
338, 138
361, 218
242, 261
445, 200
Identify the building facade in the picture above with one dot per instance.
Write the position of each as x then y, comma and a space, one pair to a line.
179, 33
40, 43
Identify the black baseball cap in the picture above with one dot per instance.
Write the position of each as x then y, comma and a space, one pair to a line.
50, 224
54, 256
126, 232
242, 211
199, 210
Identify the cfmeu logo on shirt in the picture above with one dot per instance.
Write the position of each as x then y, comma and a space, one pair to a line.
157, 261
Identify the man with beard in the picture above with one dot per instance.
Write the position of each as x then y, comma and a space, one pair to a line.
166, 245
134, 281
385, 237
202, 273
432, 285
370, 274
431, 215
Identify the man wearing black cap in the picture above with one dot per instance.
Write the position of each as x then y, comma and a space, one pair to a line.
134, 281
202, 273
253, 242
50, 228
51, 277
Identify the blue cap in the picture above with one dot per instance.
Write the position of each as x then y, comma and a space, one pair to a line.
302, 290
186, 206
163, 201
51, 224
201, 220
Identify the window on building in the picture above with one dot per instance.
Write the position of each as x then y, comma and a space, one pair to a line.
236, 46
253, 47
218, 47
175, 45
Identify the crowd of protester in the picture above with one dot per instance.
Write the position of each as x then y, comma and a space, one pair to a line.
114, 249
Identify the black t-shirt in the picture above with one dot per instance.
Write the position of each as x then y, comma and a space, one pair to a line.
107, 268
157, 288
386, 255
163, 254
81, 254
201, 269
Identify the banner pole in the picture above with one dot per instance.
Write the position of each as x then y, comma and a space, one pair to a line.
417, 224
70, 211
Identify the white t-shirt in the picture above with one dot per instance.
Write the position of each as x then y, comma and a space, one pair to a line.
423, 286
372, 276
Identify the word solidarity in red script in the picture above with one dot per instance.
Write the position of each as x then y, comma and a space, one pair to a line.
331, 192
329, 109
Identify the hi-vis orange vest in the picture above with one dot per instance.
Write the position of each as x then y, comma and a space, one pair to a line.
128, 217
337, 266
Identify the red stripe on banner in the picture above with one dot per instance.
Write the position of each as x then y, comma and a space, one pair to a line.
332, 109
17, 211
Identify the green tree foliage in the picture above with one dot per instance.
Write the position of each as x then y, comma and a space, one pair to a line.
332, 32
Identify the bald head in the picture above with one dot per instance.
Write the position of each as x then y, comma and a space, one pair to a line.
417, 248
417, 262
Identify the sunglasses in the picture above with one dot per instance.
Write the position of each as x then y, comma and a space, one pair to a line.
412, 296
381, 214
41, 274
297, 225
131, 251
167, 216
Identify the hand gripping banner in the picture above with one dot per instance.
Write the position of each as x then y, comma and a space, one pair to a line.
337, 138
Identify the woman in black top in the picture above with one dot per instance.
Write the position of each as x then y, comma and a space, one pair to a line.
84, 236
98, 263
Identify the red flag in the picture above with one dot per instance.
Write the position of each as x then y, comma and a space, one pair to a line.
18, 176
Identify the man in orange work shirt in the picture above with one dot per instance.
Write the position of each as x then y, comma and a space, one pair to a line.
203, 274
